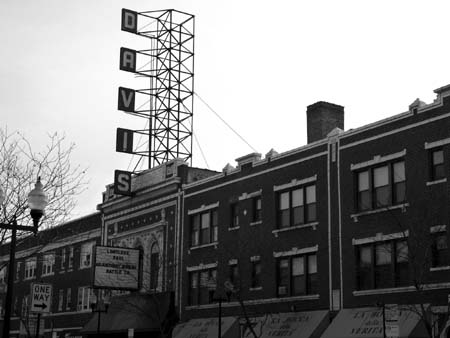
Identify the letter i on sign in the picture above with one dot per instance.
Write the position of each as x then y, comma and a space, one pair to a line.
124, 140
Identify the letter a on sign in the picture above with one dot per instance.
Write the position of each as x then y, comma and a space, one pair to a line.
124, 140
122, 182
126, 99
129, 21
127, 59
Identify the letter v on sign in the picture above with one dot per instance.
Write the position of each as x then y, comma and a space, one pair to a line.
126, 99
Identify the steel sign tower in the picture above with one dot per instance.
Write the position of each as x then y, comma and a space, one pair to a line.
168, 102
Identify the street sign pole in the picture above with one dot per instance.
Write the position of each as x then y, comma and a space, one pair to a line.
38, 324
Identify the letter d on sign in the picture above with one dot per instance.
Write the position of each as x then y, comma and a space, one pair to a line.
129, 20
122, 182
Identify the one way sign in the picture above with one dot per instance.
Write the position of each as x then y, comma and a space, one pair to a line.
41, 297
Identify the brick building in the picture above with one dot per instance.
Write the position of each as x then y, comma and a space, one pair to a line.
60, 256
354, 219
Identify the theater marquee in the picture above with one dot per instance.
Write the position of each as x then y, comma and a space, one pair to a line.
116, 268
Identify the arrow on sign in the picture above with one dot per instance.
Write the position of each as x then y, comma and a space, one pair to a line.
42, 306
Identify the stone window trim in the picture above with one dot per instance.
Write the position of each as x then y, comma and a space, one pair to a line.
438, 228
438, 143
213, 244
312, 225
203, 208
294, 183
377, 159
249, 195
401, 206
296, 251
202, 266
379, 237
442, 180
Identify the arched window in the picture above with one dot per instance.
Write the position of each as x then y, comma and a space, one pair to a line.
154, 265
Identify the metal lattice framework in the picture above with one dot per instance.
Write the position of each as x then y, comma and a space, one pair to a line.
171, 72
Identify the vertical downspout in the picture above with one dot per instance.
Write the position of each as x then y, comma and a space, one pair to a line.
330, 276
177, 253
338, 152
181, 253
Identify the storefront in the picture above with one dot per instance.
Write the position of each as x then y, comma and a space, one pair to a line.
207, 328
134, 315
368, 323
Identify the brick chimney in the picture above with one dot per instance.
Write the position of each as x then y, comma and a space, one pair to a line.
322, 117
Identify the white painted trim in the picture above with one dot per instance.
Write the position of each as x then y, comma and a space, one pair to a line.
255, 223
256, 258
203, 208
442, 180
233, 261
440, 268
202, 266
439, 143
295, 251
245, 195
216, 186
438, 228
391, 132
377, 159
295, 183
384, 291
380, 238
295, 227
234, 228
203, 246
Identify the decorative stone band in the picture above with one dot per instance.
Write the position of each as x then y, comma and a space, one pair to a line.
245, 195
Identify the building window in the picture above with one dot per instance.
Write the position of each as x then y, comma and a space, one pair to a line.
154, 266
63, 258
3, 274
382, 265
60, 299
234, 208
204, 228
297, 275
30, 268
25, 305
18, 268
233, 275
257, 207
71, 257
256, 274
85, 297
86, 255
381, 186
440, 252
437, 164
202, 285
69, 299
48, 264
296, 207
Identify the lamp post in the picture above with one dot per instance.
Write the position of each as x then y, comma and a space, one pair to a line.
37, 201
100, 306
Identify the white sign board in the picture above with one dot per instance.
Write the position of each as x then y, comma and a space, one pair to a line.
116, 268
41, 297
392, 315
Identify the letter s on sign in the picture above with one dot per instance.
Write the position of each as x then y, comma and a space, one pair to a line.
122, 182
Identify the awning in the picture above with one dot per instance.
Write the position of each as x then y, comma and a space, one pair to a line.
141, 312
368, 323
207, 328
309, 324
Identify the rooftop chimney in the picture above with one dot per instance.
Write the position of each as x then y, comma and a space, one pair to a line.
322, 117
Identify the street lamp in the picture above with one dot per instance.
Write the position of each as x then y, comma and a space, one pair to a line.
100, 305
37, 201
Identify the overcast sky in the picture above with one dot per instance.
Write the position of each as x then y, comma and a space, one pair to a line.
258, 64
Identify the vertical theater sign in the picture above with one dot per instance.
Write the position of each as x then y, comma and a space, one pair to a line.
166, 103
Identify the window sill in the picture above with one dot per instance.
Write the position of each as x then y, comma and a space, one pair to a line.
234, 228
29, 278
84, 267
442, 180
440, 268
384, 291
312, 225
214, 244
255, 223
48, 274
402, 206
256, 288
303, 297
